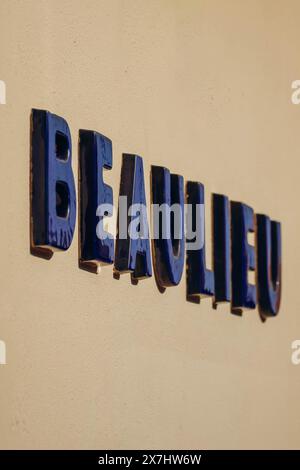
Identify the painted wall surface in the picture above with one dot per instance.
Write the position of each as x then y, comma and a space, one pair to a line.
202, 87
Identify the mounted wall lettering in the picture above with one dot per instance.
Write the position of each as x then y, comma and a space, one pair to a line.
200, 280
221, 248
168, 250
178, 222
243, 257
132, 252
95, 154
53, 196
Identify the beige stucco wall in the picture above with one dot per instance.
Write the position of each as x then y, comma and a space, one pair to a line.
204, 88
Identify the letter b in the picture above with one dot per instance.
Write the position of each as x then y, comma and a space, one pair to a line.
53, 196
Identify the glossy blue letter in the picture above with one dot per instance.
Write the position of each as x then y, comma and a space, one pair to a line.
168, 218
268, 265
53, 197
200, 280
132, 253
221, 248
243, 258
96, 200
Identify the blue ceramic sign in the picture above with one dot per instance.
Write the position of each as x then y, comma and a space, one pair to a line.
177, 218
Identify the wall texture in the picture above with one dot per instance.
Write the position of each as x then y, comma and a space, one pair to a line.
204, 88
